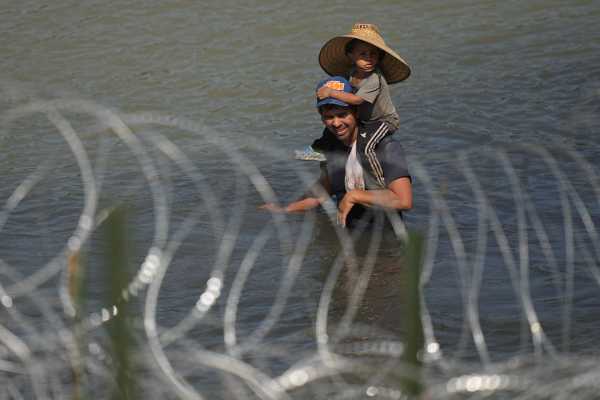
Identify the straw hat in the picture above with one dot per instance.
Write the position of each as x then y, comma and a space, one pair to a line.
335, 61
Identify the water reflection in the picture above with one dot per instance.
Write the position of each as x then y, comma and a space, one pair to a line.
367, 307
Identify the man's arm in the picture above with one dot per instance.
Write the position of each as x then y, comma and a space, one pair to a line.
307, 201
397, 196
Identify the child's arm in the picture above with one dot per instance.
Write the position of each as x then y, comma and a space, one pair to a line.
370, 88
349, 98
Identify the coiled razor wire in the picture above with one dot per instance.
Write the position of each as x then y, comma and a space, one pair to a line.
51, 348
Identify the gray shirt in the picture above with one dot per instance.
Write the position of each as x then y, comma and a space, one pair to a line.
378, 104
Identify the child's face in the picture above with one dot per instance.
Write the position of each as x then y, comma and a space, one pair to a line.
364, 56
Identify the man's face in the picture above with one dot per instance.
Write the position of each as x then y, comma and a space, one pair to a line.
341, 122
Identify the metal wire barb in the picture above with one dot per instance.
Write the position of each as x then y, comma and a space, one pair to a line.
528, 236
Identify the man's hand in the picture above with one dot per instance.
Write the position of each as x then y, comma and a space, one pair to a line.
272, 207
345, 206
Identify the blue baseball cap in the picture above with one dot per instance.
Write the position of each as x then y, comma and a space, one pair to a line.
337, 83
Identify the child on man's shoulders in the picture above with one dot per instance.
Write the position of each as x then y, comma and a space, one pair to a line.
371, 66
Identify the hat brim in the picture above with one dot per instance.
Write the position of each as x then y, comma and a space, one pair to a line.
332, 101
334, 60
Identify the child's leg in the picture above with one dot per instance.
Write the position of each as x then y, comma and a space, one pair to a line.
316, 151
369, 135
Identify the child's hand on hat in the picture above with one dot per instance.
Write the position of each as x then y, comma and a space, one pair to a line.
324, 92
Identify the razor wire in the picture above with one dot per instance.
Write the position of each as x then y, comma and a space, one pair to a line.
51, 348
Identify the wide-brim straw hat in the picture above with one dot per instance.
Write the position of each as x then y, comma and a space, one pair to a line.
335, 61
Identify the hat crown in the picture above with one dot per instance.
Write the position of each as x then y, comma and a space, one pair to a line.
368, 31
336, 83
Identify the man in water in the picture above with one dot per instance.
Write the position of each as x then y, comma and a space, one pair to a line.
343, 174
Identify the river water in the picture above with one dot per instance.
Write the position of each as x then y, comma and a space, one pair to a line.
498, 90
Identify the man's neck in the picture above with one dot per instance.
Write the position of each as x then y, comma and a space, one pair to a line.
352, 137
